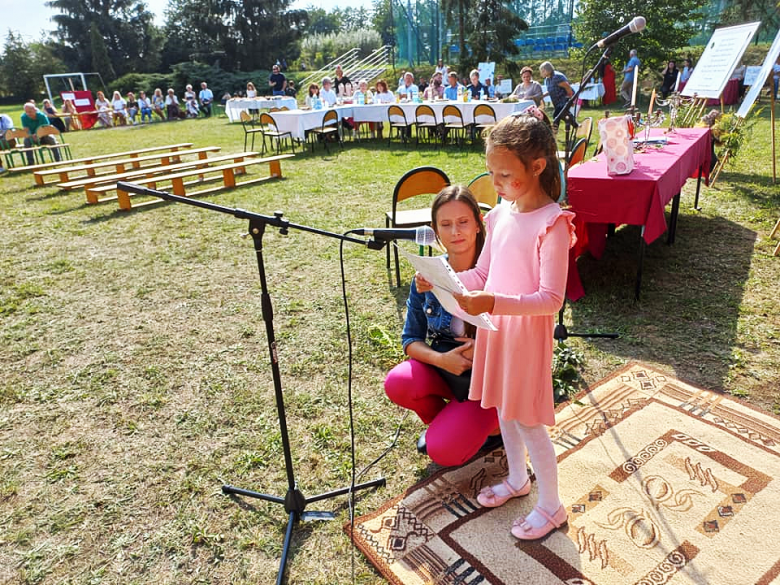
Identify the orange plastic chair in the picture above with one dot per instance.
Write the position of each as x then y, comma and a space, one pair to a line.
419, 181
484, 192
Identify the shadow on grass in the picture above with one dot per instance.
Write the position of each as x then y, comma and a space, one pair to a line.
750, 187
690, 300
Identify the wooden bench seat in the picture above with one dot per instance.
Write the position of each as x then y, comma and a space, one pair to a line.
99, 157
227, 175
120, 166
99, 186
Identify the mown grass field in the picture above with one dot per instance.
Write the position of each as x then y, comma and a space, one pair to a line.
135, 371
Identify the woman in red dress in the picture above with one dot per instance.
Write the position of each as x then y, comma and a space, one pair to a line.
608, 79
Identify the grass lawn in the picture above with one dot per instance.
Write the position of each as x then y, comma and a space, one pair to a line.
135, 371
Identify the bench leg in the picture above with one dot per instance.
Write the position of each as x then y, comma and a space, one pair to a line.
124, 200
228, 178
92, 197
177, 186
275, 168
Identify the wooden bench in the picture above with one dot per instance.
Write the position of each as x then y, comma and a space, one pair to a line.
99, 157
227, 175
120, 166
107, 183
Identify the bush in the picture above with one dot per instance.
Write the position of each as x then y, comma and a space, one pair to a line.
319, 50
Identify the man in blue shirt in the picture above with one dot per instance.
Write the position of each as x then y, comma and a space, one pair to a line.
206, 97
557, 87
451, 91
628, 77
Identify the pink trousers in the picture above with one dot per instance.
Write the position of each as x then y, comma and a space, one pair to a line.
456, 430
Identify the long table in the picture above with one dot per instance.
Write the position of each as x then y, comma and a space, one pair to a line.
297, 122
235, 106
640, 197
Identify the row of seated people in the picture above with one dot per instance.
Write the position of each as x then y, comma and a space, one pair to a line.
120, 111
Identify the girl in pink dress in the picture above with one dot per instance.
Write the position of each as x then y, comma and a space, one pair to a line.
520, 279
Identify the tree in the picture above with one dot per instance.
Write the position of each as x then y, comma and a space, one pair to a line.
23, 65
670, 25
457, 13
101, 63
496, 27
126, 26
322, 22
382, 21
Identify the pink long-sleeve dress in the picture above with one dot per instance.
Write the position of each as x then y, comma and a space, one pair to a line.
524, 264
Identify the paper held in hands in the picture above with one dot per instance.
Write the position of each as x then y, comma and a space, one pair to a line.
440, 274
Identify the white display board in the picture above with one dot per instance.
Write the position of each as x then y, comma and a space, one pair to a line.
721, 56
486, 71
766, 71
505, 87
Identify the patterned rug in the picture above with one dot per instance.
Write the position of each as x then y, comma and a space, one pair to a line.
663, 482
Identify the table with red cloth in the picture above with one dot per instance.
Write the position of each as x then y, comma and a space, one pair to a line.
730, 94
639, 198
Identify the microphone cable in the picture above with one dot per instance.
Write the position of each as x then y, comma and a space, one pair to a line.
356, 476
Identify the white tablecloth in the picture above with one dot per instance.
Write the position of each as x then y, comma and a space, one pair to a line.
235, 106
297, 122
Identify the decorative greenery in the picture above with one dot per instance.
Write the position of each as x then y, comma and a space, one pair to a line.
730, 133
567, 362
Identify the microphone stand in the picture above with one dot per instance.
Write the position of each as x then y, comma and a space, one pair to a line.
294, 501
561, 333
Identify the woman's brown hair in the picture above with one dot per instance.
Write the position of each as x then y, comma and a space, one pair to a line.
383, 83
529, 138
459, 193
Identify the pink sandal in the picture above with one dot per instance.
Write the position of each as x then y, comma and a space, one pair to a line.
524, 531
487, 498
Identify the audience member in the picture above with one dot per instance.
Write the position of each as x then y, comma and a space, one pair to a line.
475, 87
441, 69
607, 74
71, 115
206, 96
103, 107
291, 90
32, 119
407, 88
277, 81
557, 87
132, 106
145, 107
340, 79
670, 73
51, 113
528, 89
120, 113
451, 91
628, 77
191, 105
172, 105
435, 91
327, 95
686, 71
490, 89
251, 92
158, 103
314, 93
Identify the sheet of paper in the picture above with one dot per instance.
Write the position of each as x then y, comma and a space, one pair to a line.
438, 272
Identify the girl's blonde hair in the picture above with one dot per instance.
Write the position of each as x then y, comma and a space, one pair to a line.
529, 138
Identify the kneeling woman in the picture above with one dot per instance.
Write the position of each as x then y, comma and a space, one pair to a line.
434, 382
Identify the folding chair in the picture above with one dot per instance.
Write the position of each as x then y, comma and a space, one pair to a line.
398, 121
454, 123
425, 121
419, 181
484, 117
268, 128
484, 192
248, 124
61, 147
330, 127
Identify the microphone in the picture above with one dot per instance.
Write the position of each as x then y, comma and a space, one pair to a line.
422, 236
636, 25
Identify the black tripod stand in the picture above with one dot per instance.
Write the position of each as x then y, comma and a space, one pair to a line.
560, 333
294, 501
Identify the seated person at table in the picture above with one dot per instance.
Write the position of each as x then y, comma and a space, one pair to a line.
144, 106
407, 88
132, 106
158, 103
327, 95
363, 91
103, 107
120, 111
51, 113
528, 89
451, 91
475, 87
32, 119
490, 89
383, 94
669, 73
251, 92
291, 90
434, 381
314, 93
70, 115
435, 91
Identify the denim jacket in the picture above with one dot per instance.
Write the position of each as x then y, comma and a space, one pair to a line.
426, 320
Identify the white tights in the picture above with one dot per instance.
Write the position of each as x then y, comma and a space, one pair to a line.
518, 440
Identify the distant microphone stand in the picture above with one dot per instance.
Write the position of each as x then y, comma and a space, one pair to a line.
560, 333
294, 501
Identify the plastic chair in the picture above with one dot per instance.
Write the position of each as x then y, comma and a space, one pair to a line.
268, 128
419, 181
19, 135
62, 147
484, 117
248, 124
453, 122
403, 127
484, 192
330, 127
425, 121
577, 153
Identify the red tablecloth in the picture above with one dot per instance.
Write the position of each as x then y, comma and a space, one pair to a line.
638, 198
730, 94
